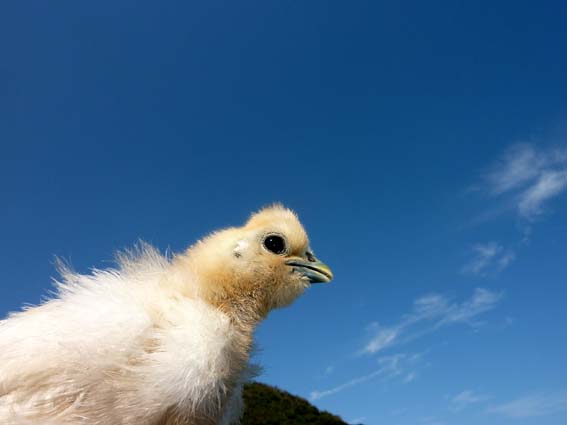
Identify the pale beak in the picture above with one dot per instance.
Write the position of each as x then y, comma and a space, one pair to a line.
315, 271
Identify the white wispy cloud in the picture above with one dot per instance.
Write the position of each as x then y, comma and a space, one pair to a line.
431, 420
317, 394
525, 180
548, 185
487, 258
410, 377
481, 301
357, 421
388, 367
466, 398
384, 337
533, 405
518, 165
428, 314
530, 176
434, 310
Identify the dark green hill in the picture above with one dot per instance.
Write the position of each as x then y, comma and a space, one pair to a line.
266, 405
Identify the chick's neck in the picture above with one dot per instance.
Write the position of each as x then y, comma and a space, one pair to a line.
244, 301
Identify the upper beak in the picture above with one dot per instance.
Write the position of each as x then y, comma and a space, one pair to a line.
315, 271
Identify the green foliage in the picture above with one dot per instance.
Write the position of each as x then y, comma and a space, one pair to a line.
267, 405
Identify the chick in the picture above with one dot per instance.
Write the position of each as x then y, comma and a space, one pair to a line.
156, 341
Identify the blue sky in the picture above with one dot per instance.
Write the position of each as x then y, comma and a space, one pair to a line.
424, 145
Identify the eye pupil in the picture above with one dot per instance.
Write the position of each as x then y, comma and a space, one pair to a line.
275, 244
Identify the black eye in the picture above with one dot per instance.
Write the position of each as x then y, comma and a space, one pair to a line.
275, 244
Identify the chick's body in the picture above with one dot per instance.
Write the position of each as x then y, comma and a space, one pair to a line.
156, 341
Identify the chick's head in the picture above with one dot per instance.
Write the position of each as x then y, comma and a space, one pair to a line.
268, 261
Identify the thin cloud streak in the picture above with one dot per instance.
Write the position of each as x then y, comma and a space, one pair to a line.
390, 367
533, 405
316, 395
519, 165
489, 257
410, 377
548, 185
436, 311
466, 398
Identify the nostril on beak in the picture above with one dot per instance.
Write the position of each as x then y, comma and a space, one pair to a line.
310, 257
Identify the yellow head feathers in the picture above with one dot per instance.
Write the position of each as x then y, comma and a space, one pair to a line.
265, 264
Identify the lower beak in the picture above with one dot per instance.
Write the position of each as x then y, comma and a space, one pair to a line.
315, 271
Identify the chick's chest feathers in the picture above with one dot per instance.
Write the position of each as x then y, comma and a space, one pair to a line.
199, 354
